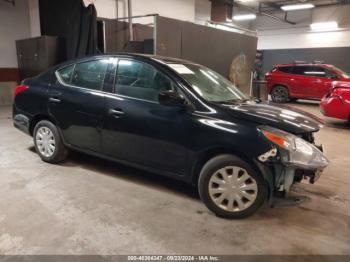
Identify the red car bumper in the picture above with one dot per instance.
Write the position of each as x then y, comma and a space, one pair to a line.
335, 106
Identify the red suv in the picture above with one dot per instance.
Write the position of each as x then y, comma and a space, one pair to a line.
336, 103
288, 82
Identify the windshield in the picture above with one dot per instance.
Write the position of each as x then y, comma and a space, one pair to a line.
209, 84
345, 75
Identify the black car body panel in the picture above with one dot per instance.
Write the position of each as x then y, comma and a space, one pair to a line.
286, 118
172, 141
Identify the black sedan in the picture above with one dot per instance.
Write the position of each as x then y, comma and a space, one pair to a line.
175, 118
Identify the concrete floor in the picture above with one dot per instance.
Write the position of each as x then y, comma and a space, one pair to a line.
92, 206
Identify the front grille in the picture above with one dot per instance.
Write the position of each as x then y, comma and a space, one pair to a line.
308, 137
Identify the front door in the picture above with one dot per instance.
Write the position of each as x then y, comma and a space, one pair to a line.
77, 103
323, 79
302, 82
136, 128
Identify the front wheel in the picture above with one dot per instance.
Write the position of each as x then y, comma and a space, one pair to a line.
280, 94
230, 188
48, 143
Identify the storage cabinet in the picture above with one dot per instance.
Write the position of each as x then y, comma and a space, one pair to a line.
35, 55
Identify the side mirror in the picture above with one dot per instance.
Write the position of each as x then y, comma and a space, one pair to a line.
333, 76
171, 98
255, 99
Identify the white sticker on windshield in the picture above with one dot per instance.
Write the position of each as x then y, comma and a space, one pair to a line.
181, 69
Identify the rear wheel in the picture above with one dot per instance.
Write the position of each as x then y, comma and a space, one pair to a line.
280, 94
48, 143
230, 187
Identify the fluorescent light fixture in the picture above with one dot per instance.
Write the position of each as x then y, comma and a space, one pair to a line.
324, 26
244, 17
297, 7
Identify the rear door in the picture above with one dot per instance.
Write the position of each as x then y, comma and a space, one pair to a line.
136, 128
77, 103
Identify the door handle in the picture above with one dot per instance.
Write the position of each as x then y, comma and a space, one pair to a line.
116, 112
55, 93
54, 100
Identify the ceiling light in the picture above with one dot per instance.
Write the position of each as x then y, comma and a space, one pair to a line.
324, 26
244, 17
297, 7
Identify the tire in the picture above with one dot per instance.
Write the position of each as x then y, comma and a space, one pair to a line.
280, 94
227, 204
48, 143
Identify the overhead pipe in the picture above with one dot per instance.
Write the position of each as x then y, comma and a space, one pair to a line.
13, 2
131, 31
235, 27
285, 20
136, 16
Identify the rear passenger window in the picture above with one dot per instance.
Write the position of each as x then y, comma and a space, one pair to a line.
90, 74
302, 70
66, 74
140, 80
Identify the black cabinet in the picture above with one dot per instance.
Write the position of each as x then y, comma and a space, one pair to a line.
35, 55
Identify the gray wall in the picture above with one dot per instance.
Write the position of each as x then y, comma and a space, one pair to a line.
117, 34
14, 25
338, 56
229, 53
6, 92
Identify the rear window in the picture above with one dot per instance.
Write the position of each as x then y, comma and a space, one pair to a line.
90, 74
285, 69
66, 74
302, 70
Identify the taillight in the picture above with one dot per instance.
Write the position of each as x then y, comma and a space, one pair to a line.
20, 89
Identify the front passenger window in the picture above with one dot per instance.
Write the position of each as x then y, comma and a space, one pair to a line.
90, 74
140, 80
315, 71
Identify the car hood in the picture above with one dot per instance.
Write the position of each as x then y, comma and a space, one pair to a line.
341, 84
280, 116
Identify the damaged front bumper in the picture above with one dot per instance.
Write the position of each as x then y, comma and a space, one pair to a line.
291, 161
289, 175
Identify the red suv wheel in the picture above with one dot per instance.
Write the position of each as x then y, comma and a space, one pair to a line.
280, 94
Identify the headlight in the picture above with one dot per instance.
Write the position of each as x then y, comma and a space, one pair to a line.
294, 150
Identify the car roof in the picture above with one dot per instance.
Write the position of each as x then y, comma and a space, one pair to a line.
162, 59
303, 64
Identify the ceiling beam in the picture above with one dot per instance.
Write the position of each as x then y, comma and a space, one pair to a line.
269, 6
13, 2
259, 12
